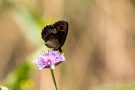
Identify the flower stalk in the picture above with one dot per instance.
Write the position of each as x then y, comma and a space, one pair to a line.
53, 77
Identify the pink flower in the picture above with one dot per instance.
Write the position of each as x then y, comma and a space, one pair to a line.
48, 59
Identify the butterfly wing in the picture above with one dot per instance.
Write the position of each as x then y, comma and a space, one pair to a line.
47, 32
49, 35
62, 30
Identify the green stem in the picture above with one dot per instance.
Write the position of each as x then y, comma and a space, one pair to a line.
52, 73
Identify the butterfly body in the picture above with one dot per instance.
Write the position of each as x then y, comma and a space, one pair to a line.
54, 35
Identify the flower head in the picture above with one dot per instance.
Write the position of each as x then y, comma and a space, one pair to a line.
48, 59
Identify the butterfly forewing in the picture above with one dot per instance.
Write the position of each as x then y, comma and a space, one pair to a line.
62, 30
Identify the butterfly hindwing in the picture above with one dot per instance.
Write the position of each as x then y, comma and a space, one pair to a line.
47, 31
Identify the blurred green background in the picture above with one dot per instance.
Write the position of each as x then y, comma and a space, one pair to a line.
99, 47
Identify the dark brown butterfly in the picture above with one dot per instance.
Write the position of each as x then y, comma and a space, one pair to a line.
55, 34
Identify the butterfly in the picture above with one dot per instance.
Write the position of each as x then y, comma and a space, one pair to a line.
55, 34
